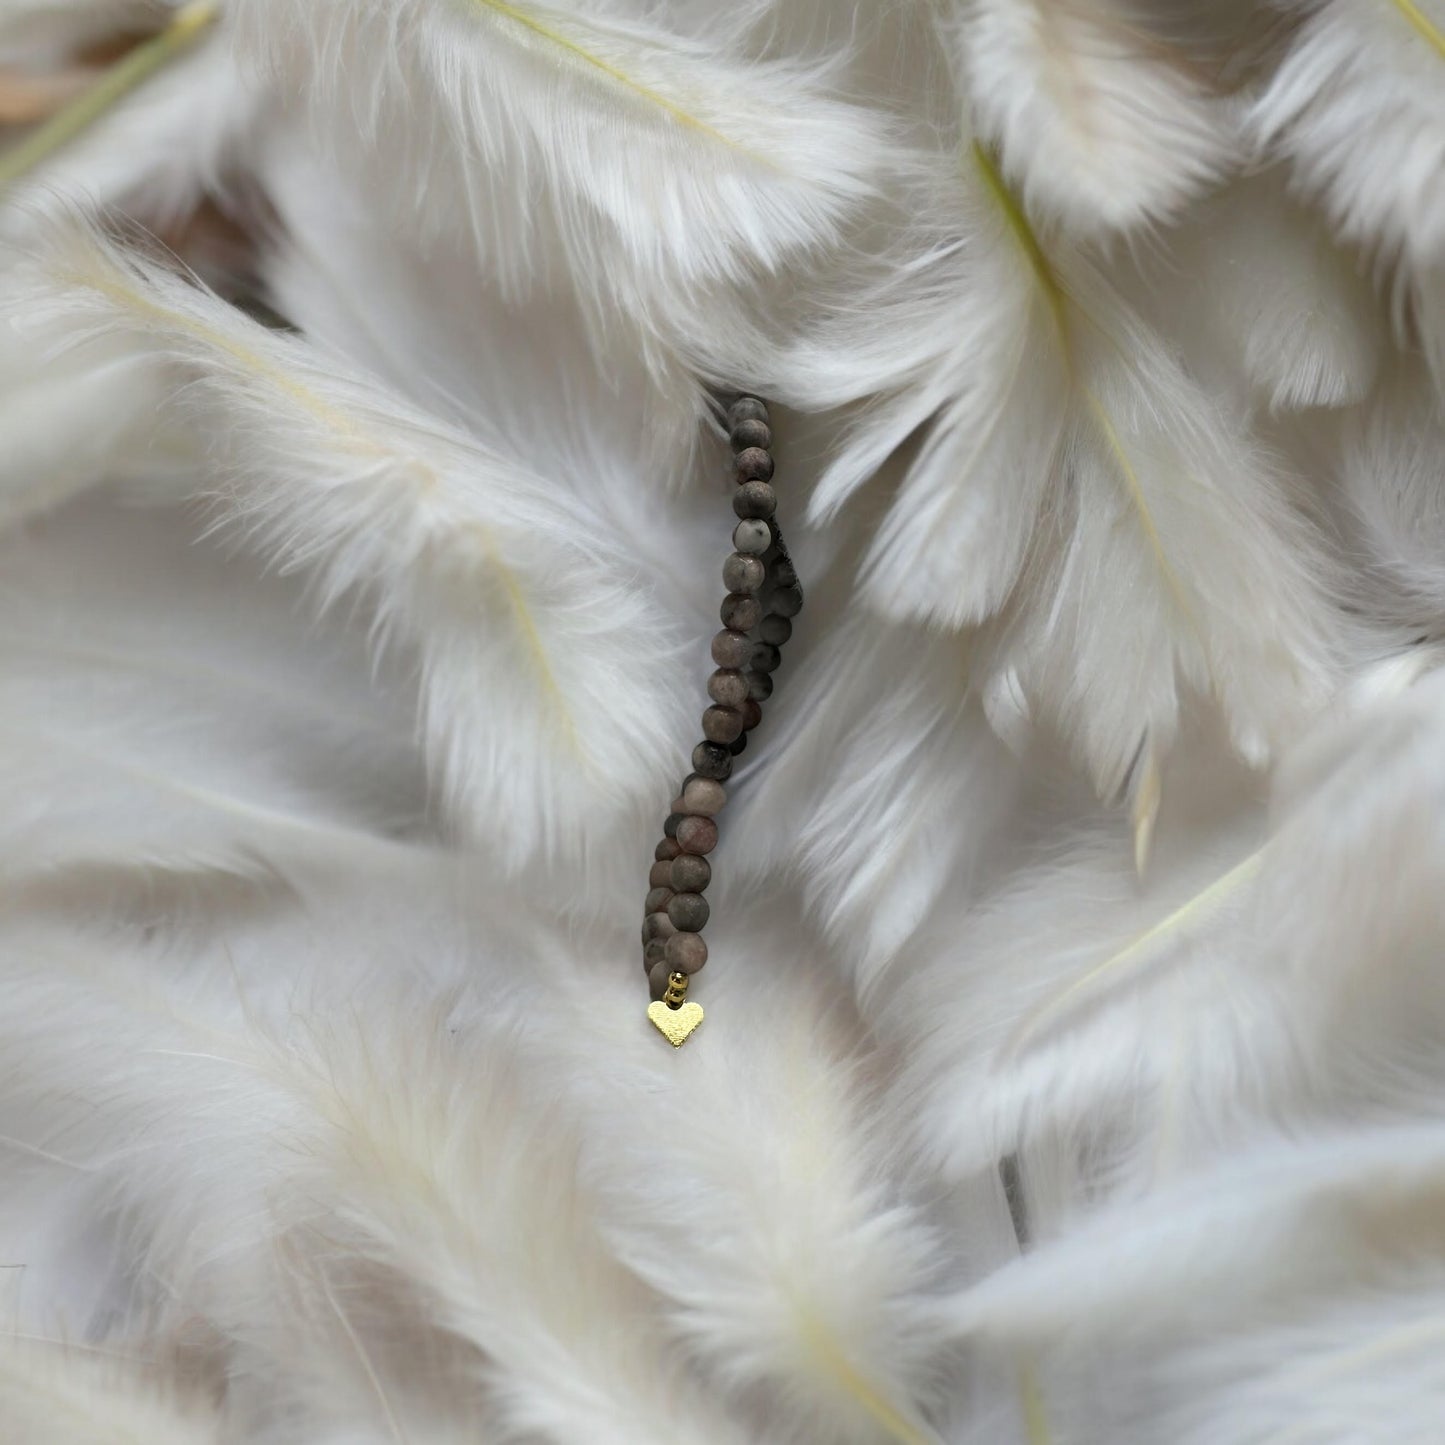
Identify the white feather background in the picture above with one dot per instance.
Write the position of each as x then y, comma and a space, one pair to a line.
1074, 1065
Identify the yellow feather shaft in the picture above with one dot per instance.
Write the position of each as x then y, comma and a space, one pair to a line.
826, 1351
1144, 803
189, 24
1422, 25
1140, 503
1023, 233
1200, 904
542, 31
1054, 296
1031, 1398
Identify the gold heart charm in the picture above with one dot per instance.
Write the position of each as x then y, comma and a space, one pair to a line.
675, 1024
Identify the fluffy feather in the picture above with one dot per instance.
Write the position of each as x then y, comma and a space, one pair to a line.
1155, 533
871, 780
1357, 107
961, 329
774, 1171
435, 529
182, 729
1269, 306
588, 141
445, 1170
1389, 470
1145, 1029
1102, 126
74, 1396
357, 1137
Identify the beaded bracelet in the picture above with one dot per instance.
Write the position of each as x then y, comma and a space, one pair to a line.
763, 598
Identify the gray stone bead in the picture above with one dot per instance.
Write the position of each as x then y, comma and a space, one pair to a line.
742, 573
730, 649
788, 601
691, 873
669, 828
775, 630
666, 850
727, 686
688, 912
653, 954
657, 900
754, 463
656, 925
722, 724
751, 433
755, 499
697, 835
738, 744
782, 573
686, 952
752, 714
661, 875
706, 797
746, 408
752, 536
760, 689
657, 979
766, 658
740, 612
712, 760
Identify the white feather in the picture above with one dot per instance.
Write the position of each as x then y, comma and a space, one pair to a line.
589, 142
69, 1395
160, 711
331, 476
443, 1168
1102, 124
774, 1170
1358, 108
361, 1138
1163, 553
1181, 566
1267, 305
868, 782
960, 331
1388, 462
